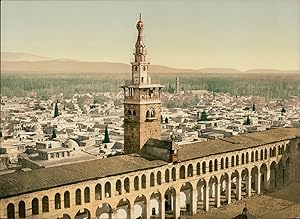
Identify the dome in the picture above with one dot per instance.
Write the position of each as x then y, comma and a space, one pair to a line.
140, 25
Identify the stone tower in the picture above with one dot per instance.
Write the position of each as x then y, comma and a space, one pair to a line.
142, 104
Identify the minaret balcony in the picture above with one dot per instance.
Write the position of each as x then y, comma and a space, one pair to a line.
151, 119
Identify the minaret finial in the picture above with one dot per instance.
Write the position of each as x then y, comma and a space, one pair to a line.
140, 16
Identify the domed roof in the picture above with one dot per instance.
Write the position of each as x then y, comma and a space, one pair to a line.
140, 24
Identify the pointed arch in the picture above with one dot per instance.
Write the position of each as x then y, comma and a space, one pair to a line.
22, 209
45, 204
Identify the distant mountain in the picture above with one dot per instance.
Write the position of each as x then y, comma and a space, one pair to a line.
29, 63
17, 56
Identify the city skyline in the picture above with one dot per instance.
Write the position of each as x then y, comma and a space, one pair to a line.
256, 34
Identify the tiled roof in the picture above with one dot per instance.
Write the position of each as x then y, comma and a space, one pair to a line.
16, 183
239, 142
23, 182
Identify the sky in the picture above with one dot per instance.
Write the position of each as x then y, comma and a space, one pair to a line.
185, 34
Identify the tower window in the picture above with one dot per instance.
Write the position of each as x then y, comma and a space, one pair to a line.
142, 79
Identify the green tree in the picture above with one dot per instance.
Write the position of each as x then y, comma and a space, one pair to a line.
166, 120
248, 121
203, 116
56, 114
53, 133
106, 136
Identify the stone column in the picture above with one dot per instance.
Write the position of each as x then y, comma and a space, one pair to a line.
258, 179
248, 185
162, 209
238, 187
217, 194
194, 201
267, 178
206, 197
228, 190
148, 209
131, 212
177, 206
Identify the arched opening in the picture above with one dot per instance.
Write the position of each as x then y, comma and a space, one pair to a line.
158, 178
186, 199
107, 190
226, 162
210, 166
45, 204
118, 187
198, 171
84, 213
246, 184
140, 207
35, 206
98, 192
256, 155
261, 154
170, 203
123, 209
264, 179
174, 174
216, 165
155, 205
237, 161
274, 152
143, 181
247, 157
78, 197
204, 167
152, 180
243, 158
10, 210
232, 161
281, 174
236, 185
201, 195
167, 175
57, 201
136, 183
67, 199
127, 185
22, 209
66, 216
182, 172
252, 156
255, 180
214, 189
104, 211
87, 197
266, 154
190, 170
222, 163
224, 190
273, 175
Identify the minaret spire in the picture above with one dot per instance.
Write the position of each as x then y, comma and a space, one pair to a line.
140, 16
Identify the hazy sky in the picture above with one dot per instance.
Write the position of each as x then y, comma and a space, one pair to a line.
191, 34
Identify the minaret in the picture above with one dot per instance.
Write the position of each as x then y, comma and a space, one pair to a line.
177, 85
142, 104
